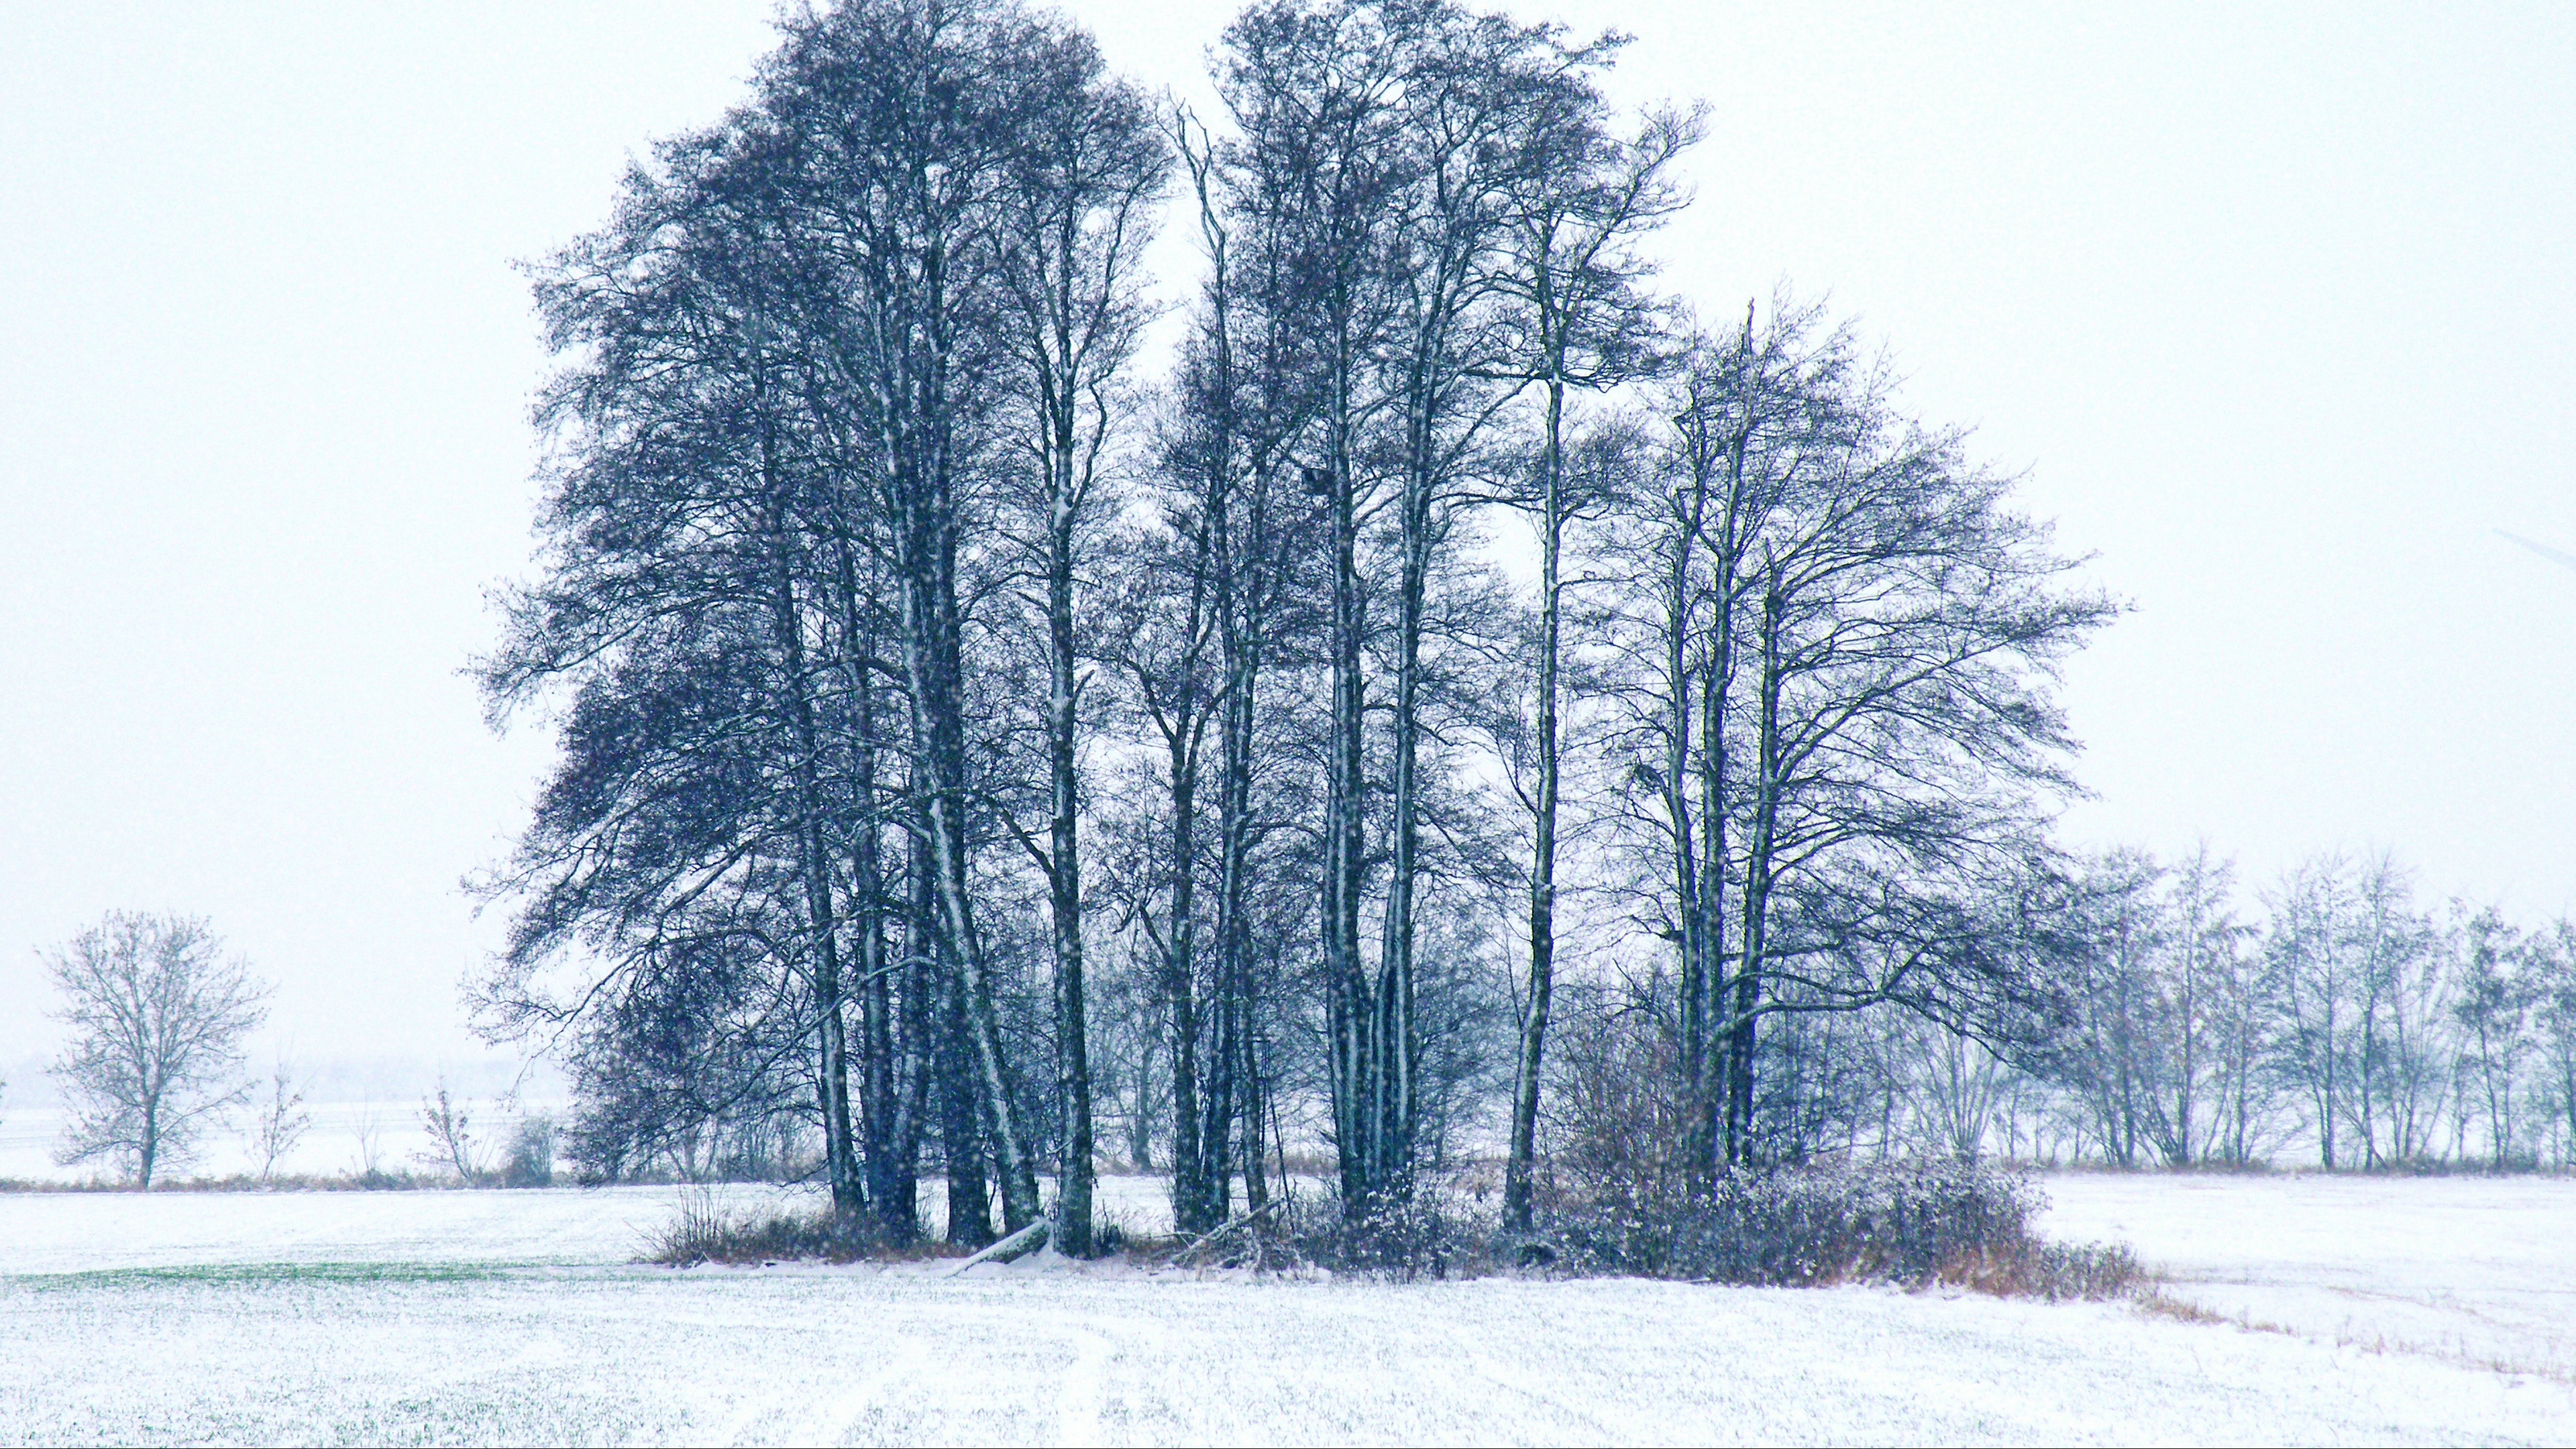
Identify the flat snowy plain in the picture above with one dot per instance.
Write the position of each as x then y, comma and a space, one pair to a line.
520, 1317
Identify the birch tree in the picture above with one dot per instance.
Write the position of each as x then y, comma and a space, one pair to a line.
2493, 1007
1076, 217
1581, 202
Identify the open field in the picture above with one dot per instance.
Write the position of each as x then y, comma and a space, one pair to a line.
2480, 1270
473, 1316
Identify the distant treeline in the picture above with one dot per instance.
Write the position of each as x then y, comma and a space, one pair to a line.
2338, 1022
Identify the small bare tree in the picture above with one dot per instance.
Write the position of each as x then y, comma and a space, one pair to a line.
157, 1016
370, 1133
279, 1121
451, 1144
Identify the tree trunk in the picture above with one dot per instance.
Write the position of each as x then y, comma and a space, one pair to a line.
1542, 888
970, 1200
1190, 1166
147, 1151
1753, 937
1064, 866
887, 1155
840, 1156
932, 658
1698, 1003
1352, 1006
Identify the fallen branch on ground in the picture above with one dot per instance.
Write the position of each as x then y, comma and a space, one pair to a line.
1209, 1238
1026, 1240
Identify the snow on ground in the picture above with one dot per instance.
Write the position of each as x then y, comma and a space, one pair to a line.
76, 1232
2480, 1270
464, 1316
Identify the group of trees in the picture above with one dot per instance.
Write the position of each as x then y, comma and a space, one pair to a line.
988, 706
1426, 695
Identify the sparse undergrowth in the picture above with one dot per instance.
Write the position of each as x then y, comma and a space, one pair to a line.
705, 1231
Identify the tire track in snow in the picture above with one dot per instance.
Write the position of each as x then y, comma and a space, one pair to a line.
1083, 1391
1077, 1402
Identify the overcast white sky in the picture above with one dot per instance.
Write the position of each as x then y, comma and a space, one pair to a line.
2277, 311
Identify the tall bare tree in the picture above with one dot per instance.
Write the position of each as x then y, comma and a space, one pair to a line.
1076, 216
904, 133
1579, 204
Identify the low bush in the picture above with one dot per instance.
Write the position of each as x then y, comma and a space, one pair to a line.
705, 1231
1429, 1235
531, 1158
1916, 1225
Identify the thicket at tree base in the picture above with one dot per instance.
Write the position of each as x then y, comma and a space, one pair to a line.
1914, 1224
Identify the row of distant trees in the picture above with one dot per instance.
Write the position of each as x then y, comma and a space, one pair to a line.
982, 710
2331, 1019
2341, 1017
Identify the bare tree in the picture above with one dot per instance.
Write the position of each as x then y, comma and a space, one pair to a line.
451, 1138
2224, 1106
2199, 999
2550, 959
906, 127
2122, 1041
2405, 1051
158, 1016
1841, 645
1960, 1088
369, 1133
2493, 1008
1581, 202
2313, 979
278, 1120
1076, 217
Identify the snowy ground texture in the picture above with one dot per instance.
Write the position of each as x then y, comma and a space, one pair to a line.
2478, 1270
519, 1317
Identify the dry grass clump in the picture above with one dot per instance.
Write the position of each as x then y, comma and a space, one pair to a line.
705, 1231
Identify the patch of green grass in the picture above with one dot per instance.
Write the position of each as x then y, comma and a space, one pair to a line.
224, 1275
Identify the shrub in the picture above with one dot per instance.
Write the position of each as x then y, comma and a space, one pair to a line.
530, 1161
1912, 1224
1431, 1234
1399, 1239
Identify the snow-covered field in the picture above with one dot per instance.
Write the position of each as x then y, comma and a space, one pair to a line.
2479, 1270
471, 1316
